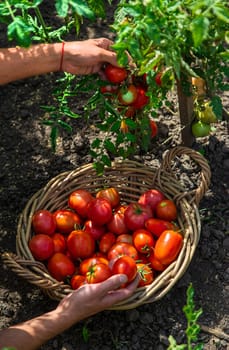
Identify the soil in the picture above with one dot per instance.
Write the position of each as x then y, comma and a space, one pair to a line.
27, 164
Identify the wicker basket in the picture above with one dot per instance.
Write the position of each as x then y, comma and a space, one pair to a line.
131, 178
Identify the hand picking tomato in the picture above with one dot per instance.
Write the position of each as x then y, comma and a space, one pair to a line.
111, 194
168, 246
136, 214
106, 242
157, 226
78, 200
145, 273
166, 210
43, 222
60, 266
143, 241
125, 265
96, 231
60, 244
99, 210
151, 197
141, 100
77, 281
80, 244
41, 246
121, 248
115, 74
66, 220
127, 95
98, 273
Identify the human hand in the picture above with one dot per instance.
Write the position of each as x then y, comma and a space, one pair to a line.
90, 299
88, 56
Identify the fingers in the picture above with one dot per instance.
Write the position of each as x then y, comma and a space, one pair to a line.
112, 283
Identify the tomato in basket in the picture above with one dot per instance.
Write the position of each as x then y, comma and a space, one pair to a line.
41, 246
151, 197
78, 200
146, 274
98, 273
99, 210
143, 241
43, 222
166, 210
66, 220
80, 244
168, 246
111, 194
60, 266
157, 226
125, 265
136, 214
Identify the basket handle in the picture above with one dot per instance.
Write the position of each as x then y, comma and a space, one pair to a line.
205, 172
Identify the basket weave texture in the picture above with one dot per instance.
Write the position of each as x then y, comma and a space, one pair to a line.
131, 179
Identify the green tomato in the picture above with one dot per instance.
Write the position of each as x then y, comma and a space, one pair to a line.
200, 129
207, 115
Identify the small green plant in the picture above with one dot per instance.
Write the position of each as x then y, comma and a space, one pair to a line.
193, 329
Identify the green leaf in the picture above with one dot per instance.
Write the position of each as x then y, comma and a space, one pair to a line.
64, 125
106, 160
20, 31
199, 28
53, 137
221, 13
62, 7
82, 9
109, 145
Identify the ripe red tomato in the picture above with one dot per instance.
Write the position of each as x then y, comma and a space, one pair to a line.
111, 194
125, 265
143, 241
154, 128
95, 230
117, 224
136, 214
166, 210
115, 74
145, 273
99, 210
141, 100
155, 263
86, 264
80, 244
98, 273
157, 226
125, 237
60, 266
121, 248
158, 80
43, 222
151, 197
127, 95
168, 246
41, 246
77, 281
78, 200
106, 242
60, 244
66, 220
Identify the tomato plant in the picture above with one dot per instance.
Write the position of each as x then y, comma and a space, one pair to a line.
142, 99
200, 129
66, 220
127, 95
136, 214
80, 244
78, 200
99, 211
143, 241
166, 210
125, 265
43, 222
115, 74
60, 266
41, 246
168, 246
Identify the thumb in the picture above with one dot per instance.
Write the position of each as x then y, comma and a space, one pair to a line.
109, 57
113, 283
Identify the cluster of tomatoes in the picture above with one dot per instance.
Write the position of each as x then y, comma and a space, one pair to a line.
97, 236
130, 92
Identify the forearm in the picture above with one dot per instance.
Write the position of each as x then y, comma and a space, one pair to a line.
31, 334
19, 63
